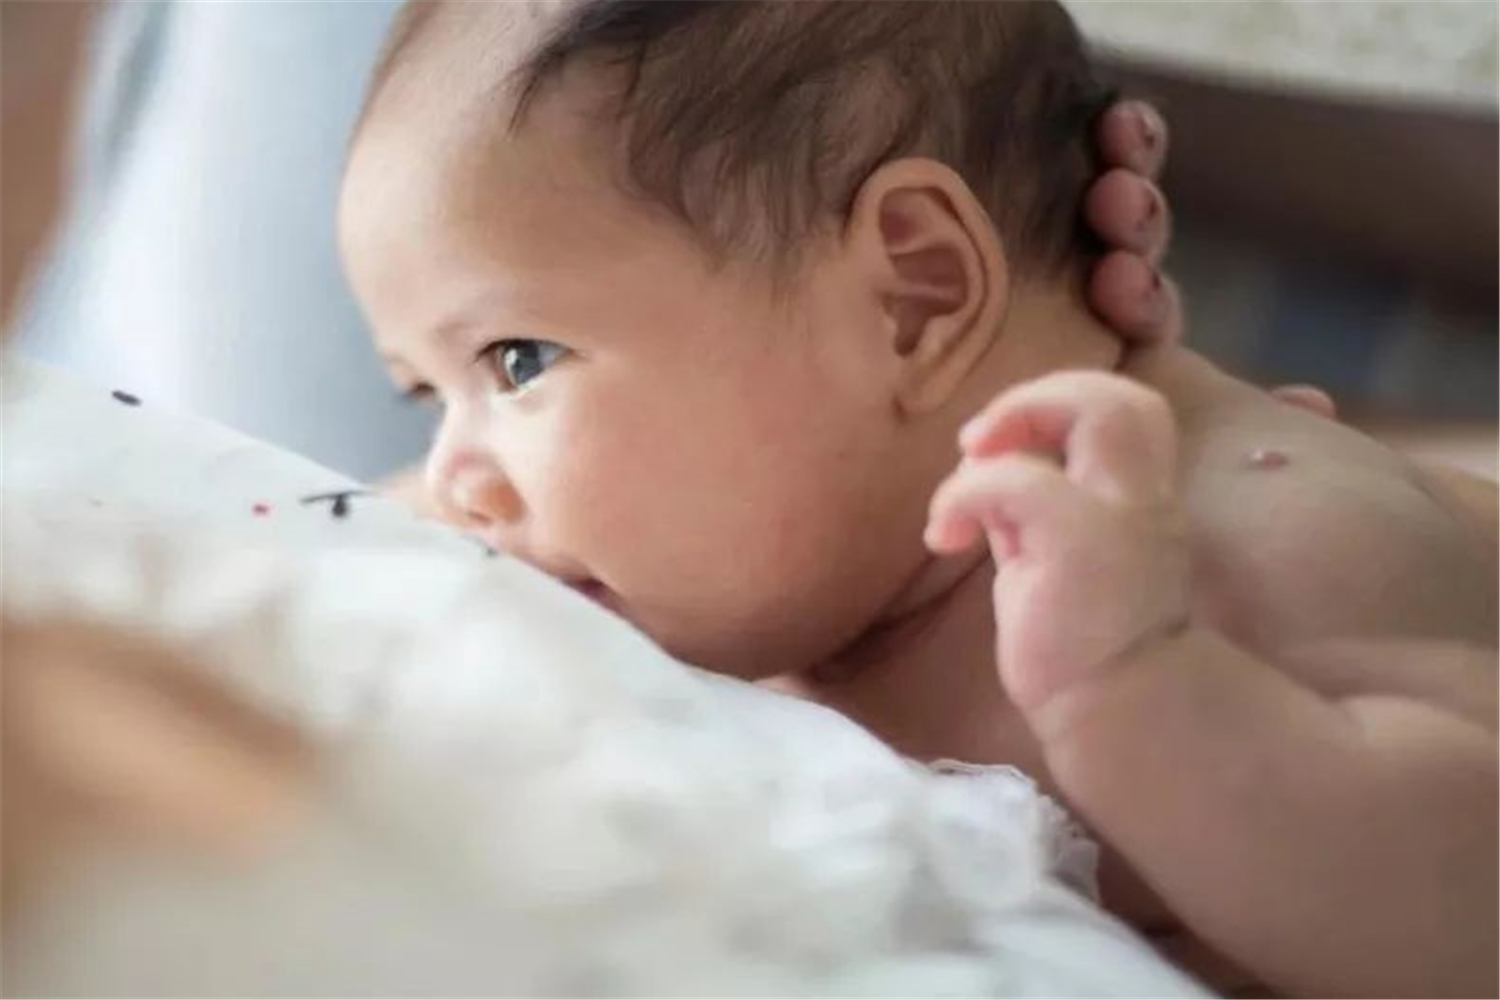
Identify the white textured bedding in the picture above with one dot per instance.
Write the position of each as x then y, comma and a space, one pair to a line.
524, 796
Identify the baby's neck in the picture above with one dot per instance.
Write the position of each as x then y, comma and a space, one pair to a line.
923, 677
1047, 328
925, 681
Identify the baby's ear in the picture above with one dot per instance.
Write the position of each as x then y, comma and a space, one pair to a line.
939, 271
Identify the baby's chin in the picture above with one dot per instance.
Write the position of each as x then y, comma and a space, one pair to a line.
752, 640
743, 664
598, 592
746, 654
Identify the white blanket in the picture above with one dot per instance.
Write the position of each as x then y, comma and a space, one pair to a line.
524, 795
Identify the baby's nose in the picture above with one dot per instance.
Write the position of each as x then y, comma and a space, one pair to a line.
475, 494
487, 500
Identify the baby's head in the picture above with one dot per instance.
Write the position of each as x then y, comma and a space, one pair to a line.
705, 289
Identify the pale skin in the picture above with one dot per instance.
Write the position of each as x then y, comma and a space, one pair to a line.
691, 450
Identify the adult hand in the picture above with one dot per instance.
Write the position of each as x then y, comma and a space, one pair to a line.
1129, 213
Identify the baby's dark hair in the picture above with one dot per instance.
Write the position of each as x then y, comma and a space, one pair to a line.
755, 121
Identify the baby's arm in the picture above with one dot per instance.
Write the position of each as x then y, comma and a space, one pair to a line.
1335, 832
1336, 847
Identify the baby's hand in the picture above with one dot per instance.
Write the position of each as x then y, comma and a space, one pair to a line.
1071, 480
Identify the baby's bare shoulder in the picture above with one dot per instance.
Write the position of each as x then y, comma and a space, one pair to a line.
1305, 529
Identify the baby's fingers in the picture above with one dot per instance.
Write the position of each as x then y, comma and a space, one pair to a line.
1116, 437
996, 497
955, 518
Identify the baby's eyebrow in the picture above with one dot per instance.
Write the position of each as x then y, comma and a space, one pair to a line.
398, 368
444, 332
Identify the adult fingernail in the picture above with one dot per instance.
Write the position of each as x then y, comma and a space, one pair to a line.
1148, 214
1149, 130
1156, 299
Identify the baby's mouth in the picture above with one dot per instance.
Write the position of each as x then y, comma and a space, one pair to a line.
594, 591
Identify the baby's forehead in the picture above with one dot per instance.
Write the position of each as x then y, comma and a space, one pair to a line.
445, 98
457, 55
435, 152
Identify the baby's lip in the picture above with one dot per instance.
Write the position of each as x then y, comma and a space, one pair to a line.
569, 573
594, 590
564, 571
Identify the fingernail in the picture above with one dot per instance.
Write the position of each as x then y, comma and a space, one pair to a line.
1153, 208
1158, 298
1147, 219
1146, 123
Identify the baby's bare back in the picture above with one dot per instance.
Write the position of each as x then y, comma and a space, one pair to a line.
1305, 530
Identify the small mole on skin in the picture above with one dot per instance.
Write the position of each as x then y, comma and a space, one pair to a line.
1267, 458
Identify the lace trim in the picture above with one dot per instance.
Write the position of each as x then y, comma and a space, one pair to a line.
1072, 855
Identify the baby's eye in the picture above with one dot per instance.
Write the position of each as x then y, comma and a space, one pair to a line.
518, 361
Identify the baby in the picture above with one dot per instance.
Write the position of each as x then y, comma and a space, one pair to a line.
711, 295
